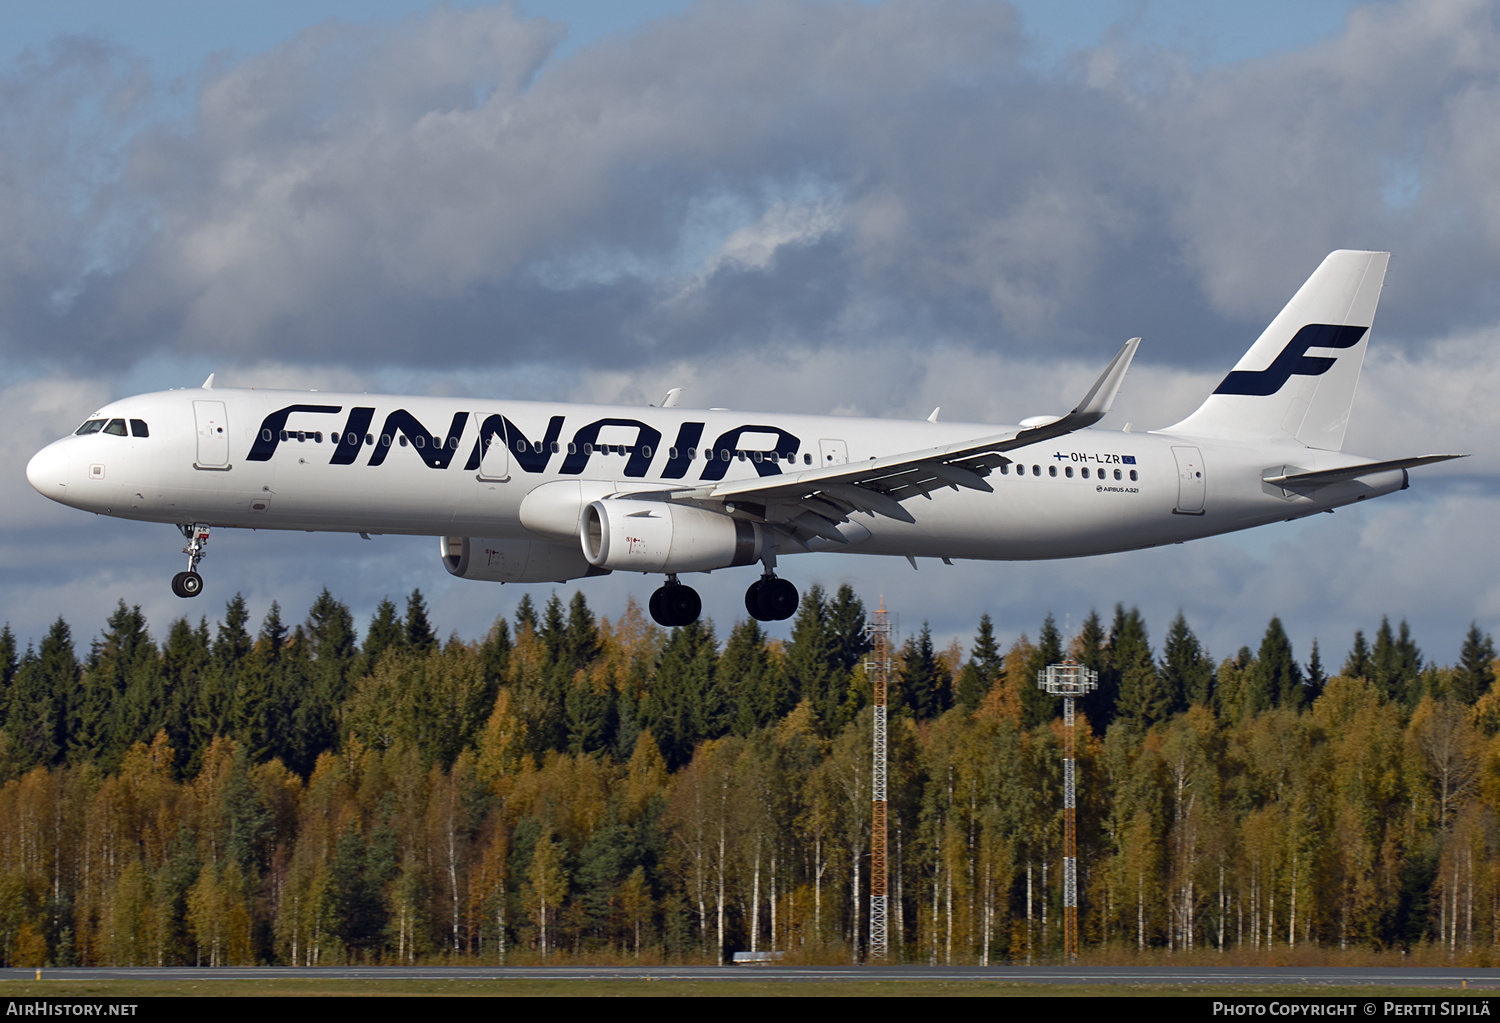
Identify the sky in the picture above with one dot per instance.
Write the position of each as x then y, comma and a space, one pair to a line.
794, 205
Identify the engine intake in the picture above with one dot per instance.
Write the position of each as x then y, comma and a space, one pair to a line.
660, 536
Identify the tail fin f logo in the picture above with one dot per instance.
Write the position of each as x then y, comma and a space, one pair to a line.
1294, 360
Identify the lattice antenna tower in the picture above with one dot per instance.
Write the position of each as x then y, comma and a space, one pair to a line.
1069, 680
878, 666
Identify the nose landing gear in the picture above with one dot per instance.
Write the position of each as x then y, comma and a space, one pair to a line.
675, 604
190, 583
770, 599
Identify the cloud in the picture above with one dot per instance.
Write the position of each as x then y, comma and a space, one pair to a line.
865, 209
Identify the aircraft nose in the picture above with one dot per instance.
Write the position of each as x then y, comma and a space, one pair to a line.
47, 472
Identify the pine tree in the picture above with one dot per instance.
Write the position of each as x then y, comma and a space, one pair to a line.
1276, 680
1475, 673
8, 666
1358, 663
385, 632
581, 642
1091, 649
1144, 694
677, 707
1187, 669
261, 720
43, 692
1317, 678
419, 635
123, 661
1037, 706
808, 655
1396, 664
332, 644
757, 692
494, 652
525, 615
926, 685
185, 667
984, 668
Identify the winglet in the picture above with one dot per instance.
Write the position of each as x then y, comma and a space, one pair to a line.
1094, 405
208, 385
1101, 396
670, 401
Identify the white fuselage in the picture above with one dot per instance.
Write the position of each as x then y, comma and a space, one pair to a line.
416, 465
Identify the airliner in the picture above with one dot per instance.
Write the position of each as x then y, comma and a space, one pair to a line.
532, 492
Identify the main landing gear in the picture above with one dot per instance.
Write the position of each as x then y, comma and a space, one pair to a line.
770, 599
675, 604
190, 583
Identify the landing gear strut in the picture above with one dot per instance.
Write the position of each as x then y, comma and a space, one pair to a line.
770, 599
675, 604
190, 583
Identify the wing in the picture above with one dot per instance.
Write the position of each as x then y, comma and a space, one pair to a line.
816, 500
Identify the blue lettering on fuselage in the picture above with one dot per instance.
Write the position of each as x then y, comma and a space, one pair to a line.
269, 435
530, 456
727, 447
586, 440
438, 452
353, 436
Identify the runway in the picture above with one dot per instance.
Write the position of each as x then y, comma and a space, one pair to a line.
1450, 979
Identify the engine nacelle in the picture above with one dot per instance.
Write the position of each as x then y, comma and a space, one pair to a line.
661, 536
514, 561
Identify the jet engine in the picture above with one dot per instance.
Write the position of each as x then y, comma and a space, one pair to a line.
514, 561
662, 536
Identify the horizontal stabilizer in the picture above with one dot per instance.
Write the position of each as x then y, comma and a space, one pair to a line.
1350, 472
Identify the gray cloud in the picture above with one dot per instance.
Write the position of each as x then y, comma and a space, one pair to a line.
445, 191
857, 208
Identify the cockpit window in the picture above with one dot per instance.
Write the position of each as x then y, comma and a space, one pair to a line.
116, 428
92, 426
138, 428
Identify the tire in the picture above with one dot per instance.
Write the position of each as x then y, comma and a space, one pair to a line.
778, 600
187, 584
682, 604
752, 601
658, 611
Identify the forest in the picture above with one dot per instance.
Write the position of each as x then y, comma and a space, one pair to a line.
574, 786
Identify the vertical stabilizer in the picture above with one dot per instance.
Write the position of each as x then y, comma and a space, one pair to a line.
1298, 380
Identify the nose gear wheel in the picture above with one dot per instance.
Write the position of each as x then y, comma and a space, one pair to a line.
190, 583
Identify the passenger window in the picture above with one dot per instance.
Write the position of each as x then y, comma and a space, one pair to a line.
1036, 470
1132, 476
1052, 470
1004, 468
92, 426
116, 428
1117, 474
1068, 471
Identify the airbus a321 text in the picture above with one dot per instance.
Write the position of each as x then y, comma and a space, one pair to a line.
531, 492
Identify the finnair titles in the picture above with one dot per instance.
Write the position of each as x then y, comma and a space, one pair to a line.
531, 492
